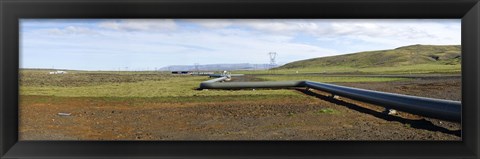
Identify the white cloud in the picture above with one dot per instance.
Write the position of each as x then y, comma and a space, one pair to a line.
140, 25
395, 34
285, 27
392, 30
211, 23
70, 30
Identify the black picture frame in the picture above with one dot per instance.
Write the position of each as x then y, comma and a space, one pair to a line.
12, 10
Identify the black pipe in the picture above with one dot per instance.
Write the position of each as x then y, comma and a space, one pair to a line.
429, 107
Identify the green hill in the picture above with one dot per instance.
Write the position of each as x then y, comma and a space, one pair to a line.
407, 59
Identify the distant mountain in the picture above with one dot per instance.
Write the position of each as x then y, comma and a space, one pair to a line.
402, 56
216, 67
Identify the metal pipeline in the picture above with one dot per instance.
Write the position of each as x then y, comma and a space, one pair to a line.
429, 107
241, 85
221, 75
223, 78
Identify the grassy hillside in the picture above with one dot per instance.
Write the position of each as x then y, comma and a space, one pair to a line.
407, 59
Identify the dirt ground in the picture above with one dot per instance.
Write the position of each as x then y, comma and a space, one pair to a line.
318, 118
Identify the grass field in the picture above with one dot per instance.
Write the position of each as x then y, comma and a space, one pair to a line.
164, 87
160, 106
148, 87
121, 85
328, 79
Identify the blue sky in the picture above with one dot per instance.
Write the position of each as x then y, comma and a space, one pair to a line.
146, 44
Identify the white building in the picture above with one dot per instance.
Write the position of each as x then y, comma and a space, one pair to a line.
57, 72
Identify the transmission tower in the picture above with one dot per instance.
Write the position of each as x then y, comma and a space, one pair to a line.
272, 55
196, 66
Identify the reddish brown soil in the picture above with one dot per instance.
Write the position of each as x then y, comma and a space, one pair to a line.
437, 87
269, 119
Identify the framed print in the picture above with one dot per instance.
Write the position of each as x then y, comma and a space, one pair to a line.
273, 79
